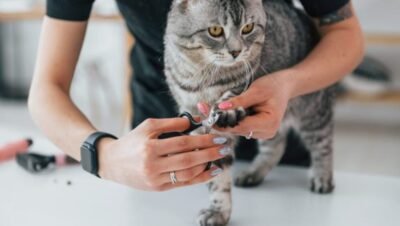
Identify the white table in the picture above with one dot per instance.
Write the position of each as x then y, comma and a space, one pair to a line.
283, 200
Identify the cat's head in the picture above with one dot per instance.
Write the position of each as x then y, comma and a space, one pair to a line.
221, 32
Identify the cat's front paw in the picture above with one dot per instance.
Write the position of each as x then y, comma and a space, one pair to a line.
230, 118
210, 217
322, 184
248, 179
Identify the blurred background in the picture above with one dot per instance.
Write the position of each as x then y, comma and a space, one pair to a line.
367, 138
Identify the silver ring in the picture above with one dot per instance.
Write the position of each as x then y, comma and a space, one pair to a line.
248, 137
172, 176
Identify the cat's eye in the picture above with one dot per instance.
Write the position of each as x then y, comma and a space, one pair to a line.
216, 31
248, 28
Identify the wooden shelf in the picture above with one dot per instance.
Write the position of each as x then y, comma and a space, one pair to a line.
38, 13
386, 39
390, 97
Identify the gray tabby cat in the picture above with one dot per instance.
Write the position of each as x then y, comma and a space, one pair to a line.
214, 49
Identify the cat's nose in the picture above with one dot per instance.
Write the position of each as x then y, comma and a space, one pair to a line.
235, 53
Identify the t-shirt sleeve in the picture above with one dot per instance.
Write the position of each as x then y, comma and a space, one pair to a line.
74, 10
318, 8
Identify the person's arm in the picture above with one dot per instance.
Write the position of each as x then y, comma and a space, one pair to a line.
139, 159
340, 50
49, 101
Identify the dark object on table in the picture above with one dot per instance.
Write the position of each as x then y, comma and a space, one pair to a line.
370, 77
373, 70
36, 163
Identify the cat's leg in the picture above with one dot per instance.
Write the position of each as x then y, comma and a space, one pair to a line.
229, 118
319, 141
219, 211
270, 153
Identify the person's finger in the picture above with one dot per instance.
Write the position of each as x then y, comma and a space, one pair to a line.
249, 98
188, 160
184, 175
203, 108
254, 134
256, 123
181, 144
155, 127
202, 178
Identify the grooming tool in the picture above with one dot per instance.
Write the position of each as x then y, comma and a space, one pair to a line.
11, 149
206, 123
193, 123
36, 163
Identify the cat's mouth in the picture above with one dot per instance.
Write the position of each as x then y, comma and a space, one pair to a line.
229, 61
228, 64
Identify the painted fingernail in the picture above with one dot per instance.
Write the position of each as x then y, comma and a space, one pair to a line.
220, 140
202, 108
225, 151
225, 105
216, 172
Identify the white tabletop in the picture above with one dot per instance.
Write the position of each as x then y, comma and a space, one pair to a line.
283, 200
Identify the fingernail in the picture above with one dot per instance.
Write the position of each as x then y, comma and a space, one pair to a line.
216, 172
202, 108
225, 151
220, 140
225, 105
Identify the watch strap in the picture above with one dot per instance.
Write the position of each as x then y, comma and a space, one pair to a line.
89, 153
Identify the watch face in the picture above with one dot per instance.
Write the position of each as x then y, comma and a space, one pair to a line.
89, 159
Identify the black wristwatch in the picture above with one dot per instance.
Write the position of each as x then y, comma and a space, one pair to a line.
89, 156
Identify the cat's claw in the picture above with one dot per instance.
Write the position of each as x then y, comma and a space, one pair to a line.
248, 179
322, 185
230, 118
209, 217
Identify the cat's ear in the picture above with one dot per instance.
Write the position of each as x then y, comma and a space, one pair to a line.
182, 5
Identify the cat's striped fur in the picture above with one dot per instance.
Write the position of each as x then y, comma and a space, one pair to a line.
199, 67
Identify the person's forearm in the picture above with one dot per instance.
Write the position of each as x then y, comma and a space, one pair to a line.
338, 53
49, 101
61, 121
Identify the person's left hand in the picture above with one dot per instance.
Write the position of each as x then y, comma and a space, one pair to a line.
268, 97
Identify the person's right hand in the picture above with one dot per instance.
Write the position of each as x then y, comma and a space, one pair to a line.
142, 161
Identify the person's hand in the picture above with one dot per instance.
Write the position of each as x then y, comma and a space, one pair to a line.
268, 97
142, 161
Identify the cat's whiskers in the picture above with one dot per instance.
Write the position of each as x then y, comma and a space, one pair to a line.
249, 70
264, 70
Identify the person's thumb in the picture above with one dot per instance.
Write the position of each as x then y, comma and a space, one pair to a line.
247, 99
